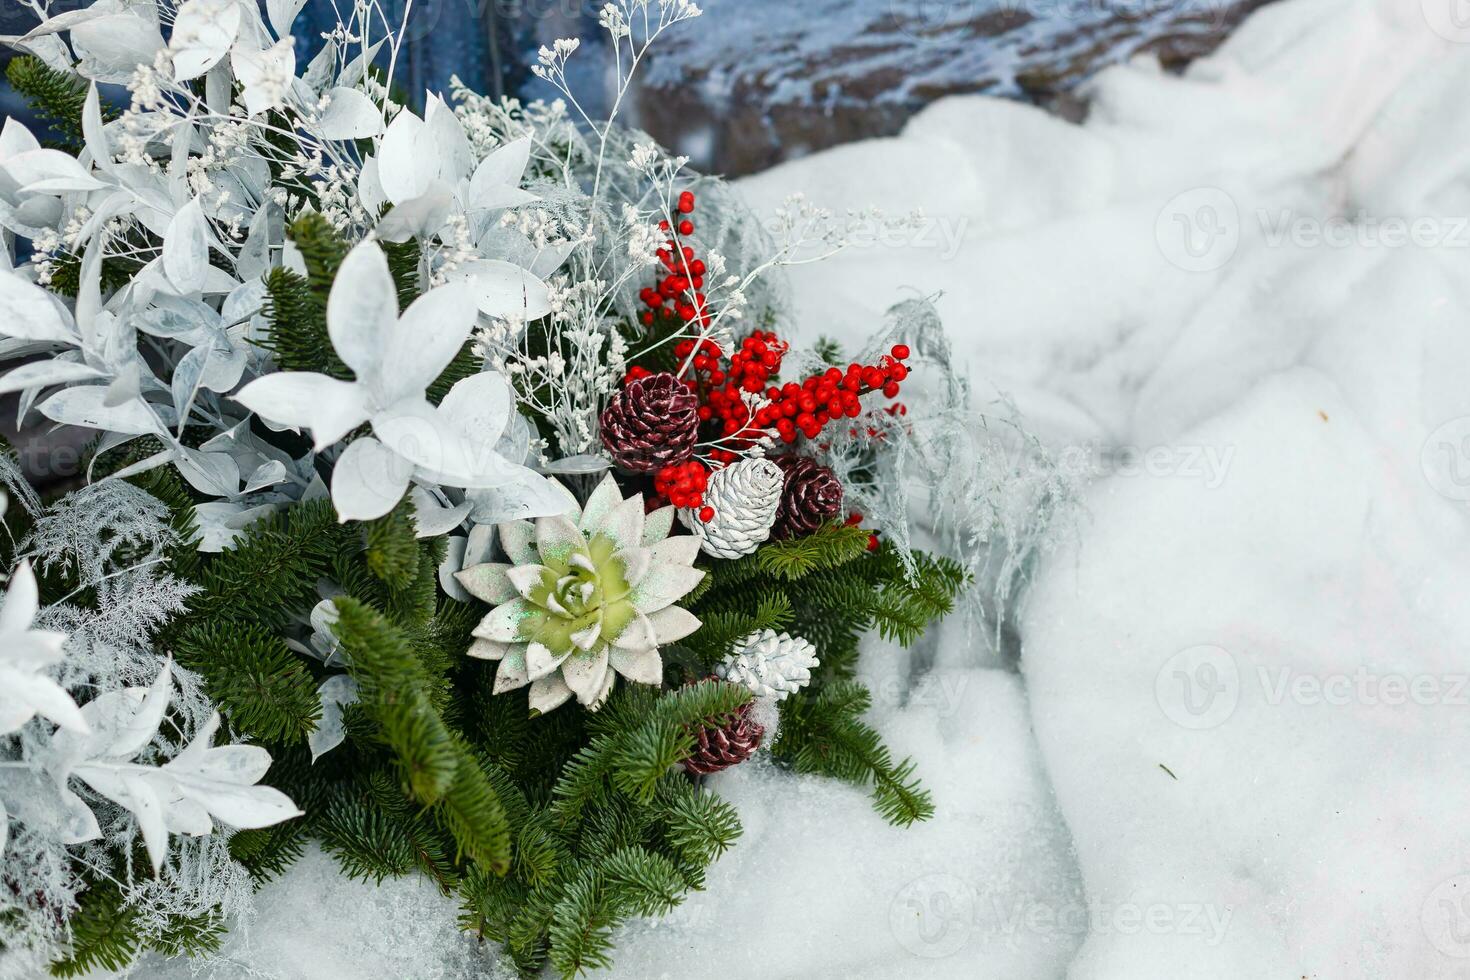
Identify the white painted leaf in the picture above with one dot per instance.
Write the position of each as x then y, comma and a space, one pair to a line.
502, 289
254, 259
454, 157
299, 400
527, 495
419, 217
113, 46
497, 180
336, 692
186, 248
422, 344
319, 70
362, 309
282, 14
266, 75
434, 518
578, 465
369, 480
49, 172
85, 406
350, 115
42, 373
407, 162
203, 33
29, 312
95, 134
216, 474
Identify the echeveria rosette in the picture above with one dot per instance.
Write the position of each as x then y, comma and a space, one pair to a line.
588, 594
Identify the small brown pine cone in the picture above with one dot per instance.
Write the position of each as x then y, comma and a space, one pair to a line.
652, 422
729, 745
812, 496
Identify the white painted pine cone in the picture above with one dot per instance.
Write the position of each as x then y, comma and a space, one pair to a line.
745, 496
771, 664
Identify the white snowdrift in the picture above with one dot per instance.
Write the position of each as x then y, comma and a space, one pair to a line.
1246, 678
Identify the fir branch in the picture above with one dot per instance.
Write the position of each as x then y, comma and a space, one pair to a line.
824, 734
259, 683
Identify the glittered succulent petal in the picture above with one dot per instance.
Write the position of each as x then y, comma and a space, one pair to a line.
588, 637
515, 621
663, 586
488, 649
673, 623
657, 525
518, 540
487, 582
643, 666
638, 634
527, 579
557, 539
624, 525
511, 673
680, 550
600, 698
542, 660
600, 504
549, 693
635, 563
584, 674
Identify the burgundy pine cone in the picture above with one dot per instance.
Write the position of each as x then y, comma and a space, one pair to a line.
721, 748
652, 422
811, 496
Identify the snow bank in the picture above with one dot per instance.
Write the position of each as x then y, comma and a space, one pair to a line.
1237, 299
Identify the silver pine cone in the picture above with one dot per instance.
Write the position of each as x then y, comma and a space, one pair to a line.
745, 496
771, 664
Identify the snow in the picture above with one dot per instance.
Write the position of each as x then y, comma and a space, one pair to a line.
1233, 744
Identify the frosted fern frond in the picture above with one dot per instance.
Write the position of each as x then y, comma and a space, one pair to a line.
988, 492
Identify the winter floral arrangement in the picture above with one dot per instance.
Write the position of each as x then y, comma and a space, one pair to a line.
457, 502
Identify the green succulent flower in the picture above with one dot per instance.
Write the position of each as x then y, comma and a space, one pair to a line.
587, 595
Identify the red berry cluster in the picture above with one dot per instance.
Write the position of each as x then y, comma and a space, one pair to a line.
678, 292
721, 386
684, 484
808, 407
